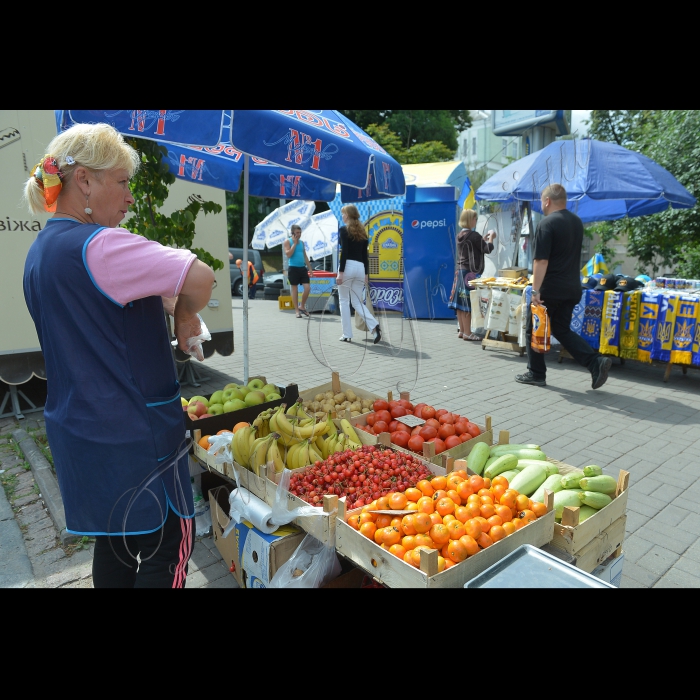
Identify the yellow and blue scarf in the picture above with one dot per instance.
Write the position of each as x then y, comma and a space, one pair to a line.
610, 330
663, 340
629, 327
684, 330
648, 319
592, 315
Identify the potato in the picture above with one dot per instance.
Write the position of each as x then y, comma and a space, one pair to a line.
316, 406
366, 410
320, 415
350, 395
356, 406
366, 403
328, 407
329, 394
319, 397
354, 413
339, 398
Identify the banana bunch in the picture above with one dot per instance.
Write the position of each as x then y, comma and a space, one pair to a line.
301, 427
264, 450
242, 444
262, 423
353, 437
303, 454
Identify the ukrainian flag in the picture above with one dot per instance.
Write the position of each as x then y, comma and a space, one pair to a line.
467, 200
595, 265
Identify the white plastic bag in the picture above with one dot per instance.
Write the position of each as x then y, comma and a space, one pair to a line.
498, 311
194, 344
312, 565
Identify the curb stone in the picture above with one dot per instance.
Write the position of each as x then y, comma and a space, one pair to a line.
47, 483
17, 570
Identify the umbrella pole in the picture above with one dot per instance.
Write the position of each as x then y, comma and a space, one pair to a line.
244, 266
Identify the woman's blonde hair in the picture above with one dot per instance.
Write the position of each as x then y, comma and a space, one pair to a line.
356, 230
468, 218
98, 147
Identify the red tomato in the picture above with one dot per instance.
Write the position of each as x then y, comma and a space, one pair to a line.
427, 432
434, 423
446, 430
439, 446
403, 426
384, 415
447, 418
452, 441
461, 426
400, 438
398, 411
406, 404
394, 426
428, 412
416, 430
417, 409
416, 444
440, 412
371, 417
381, 427
380, 405
465, 436
474, 429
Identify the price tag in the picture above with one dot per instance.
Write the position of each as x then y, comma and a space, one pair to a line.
410, 421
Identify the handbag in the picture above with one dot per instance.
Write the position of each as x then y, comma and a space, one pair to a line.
359, 321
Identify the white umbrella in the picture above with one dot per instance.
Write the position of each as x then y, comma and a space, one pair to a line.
275, 227
320, 235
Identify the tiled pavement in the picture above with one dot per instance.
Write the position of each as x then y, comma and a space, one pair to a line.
635, 422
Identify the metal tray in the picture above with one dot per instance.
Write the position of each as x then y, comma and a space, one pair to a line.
530, 567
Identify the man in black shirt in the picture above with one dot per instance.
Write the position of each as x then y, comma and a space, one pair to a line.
556, 284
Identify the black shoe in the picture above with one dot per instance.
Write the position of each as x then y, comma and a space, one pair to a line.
377, 335
529, 378
600, 372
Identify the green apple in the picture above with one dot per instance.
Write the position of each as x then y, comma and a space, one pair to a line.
216, 397
244, 390
256, 384
255, 397
185, 402
201, 399
234, 405
216, 409
231, 386
273, 397
269, 389
230, 394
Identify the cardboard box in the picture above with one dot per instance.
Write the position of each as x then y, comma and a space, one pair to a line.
255, 556
352, 579
611, 570
513, 272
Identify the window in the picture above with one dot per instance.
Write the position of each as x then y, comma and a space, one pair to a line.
514, 149
504, 146
473, 145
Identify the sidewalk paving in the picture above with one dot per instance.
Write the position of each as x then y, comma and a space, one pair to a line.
635, 422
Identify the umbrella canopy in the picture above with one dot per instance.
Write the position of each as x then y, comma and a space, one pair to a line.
320, 236
275, 227
603, 181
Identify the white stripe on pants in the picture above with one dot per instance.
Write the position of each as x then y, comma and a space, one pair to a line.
351, 292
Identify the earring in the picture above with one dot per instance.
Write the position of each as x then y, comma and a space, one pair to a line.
87, 206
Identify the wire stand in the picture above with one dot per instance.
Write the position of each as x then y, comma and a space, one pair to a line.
13, 395
188, 375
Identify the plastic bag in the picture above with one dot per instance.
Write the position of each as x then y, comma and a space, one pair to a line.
312, 565
220, 447
496, 318
194, 344
359, 321
540, 329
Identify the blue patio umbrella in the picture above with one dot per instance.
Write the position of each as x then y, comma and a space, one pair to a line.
603, 181
297, 152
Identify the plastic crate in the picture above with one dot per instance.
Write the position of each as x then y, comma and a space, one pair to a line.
285, 302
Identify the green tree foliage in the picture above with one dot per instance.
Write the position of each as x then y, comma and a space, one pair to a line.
671, 138
150, 187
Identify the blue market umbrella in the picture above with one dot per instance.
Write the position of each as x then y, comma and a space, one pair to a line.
603, 181
305, 153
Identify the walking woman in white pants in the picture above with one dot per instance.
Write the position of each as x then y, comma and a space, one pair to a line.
353, 273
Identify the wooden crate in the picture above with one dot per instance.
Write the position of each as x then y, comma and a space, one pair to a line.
396, 573
336, 386
602, 546
571, 536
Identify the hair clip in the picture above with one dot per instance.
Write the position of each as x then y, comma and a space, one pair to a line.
70, 160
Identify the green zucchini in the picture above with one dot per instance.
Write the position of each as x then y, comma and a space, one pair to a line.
585, 512
509, 475
502, 464
571, 480
552, 483
551, 468
593, 470
498, 450
602, 483
529, 479
594, 499
524, 453
566, 497
476, 459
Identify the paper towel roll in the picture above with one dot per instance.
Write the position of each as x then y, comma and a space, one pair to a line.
253, 509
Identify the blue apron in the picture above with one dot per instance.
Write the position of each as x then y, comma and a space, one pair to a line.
113, 414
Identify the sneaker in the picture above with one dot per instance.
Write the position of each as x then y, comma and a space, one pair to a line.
377, 335
600, 372
345, 339
529, 378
